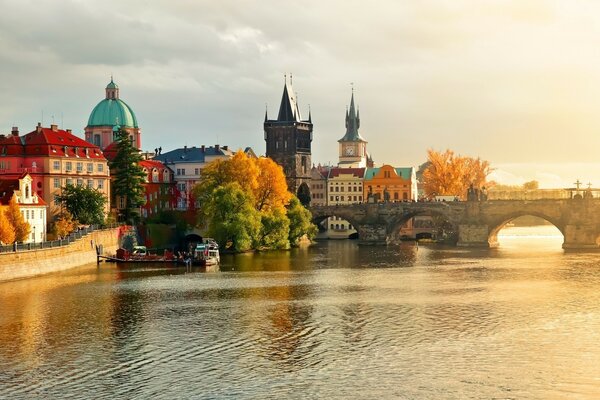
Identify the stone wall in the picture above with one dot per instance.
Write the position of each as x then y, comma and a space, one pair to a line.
26, 264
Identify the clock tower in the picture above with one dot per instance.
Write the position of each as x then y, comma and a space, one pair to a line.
352, 148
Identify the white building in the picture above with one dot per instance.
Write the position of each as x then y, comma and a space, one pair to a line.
33, 208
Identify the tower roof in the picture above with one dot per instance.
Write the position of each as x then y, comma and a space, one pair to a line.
352, 124
288, 109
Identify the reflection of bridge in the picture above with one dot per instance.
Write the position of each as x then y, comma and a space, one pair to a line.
474, 223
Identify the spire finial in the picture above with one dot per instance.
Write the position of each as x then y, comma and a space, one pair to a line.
352, 86
285, 78
291, 77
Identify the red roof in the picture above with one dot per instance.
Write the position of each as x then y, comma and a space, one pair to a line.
8, 188
151, 164
49, 142
336, 171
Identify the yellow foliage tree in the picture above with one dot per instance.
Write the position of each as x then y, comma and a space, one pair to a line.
7, 232
63, 224
451, 175
14, 216
272, 191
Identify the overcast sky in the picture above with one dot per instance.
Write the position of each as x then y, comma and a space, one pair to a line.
514, 82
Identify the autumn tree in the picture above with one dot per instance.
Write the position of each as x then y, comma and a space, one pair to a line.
86, 205
263, 184
271, 191
7, 232
531, 185
15, 218
451, 175
63, 224
128, 176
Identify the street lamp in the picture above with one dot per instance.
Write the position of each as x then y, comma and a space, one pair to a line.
34, 234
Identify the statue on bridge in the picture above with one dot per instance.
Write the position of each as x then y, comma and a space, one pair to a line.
474, 194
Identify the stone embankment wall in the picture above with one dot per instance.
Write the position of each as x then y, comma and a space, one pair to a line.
26, 264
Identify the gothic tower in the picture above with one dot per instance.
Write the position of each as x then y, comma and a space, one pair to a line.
353, 148
288, 139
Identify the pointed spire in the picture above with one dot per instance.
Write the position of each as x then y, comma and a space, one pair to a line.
266, 113
352, 123
288, 110
309, 114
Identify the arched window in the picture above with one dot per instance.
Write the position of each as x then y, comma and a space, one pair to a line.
154, 175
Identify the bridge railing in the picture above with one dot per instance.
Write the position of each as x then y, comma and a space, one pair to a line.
537, 194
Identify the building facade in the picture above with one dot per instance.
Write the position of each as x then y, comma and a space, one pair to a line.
53, 158
389, 184
344, 186
111, 113
187, 164
160, 188
33, 208
288, 142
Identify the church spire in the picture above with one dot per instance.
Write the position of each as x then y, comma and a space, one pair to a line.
352, 124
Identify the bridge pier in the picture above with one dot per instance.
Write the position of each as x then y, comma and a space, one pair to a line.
475, 235
372, 235
580, 236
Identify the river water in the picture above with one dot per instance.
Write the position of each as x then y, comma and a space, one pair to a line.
331, 321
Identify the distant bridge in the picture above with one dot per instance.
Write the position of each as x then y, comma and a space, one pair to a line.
474, 223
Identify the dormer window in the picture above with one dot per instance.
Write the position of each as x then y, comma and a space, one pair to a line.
65, 148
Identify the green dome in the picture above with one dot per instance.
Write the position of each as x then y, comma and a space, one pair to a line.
110, 112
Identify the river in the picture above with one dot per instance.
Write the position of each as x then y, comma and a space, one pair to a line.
334, 320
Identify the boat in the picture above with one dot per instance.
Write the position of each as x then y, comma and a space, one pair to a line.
206, 254
139, 254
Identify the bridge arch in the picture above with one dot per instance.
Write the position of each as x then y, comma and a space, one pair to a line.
496, 225
448, 227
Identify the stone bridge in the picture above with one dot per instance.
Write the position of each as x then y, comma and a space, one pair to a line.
473, 223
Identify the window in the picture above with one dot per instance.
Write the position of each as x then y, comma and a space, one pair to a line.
100, 167
90, 183
100, 183
56, 165
154, 175
330, 198
69, 166
90, 168
56, 183
196, 171
79, 167
79, 182
331, 226
69, 181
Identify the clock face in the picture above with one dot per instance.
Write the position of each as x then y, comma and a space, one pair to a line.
350, 151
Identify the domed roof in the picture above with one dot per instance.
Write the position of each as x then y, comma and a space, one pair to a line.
110, 112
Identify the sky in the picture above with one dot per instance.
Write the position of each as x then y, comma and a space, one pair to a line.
516, 83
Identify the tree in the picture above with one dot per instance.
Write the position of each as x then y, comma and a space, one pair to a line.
275, 228
7, 232
272, 191
85, 204
531, 185
451, 175
128, 176
63, 224
15, 218
234, 219
300, 222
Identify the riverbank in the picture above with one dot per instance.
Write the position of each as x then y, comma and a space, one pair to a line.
27, 264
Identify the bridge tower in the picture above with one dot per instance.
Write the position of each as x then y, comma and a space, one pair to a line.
288, 139
353, 147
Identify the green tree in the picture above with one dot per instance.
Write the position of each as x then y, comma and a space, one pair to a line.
274, 231
15, 218
86, 205
128, 176
300, 222
234, 218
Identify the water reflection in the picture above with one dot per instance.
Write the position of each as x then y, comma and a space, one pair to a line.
334, 320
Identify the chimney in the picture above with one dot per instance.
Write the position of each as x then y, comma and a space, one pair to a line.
185, 149
69, 131
54, 127
216, 147
38, 128
15, 131
203, 148
225, 148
